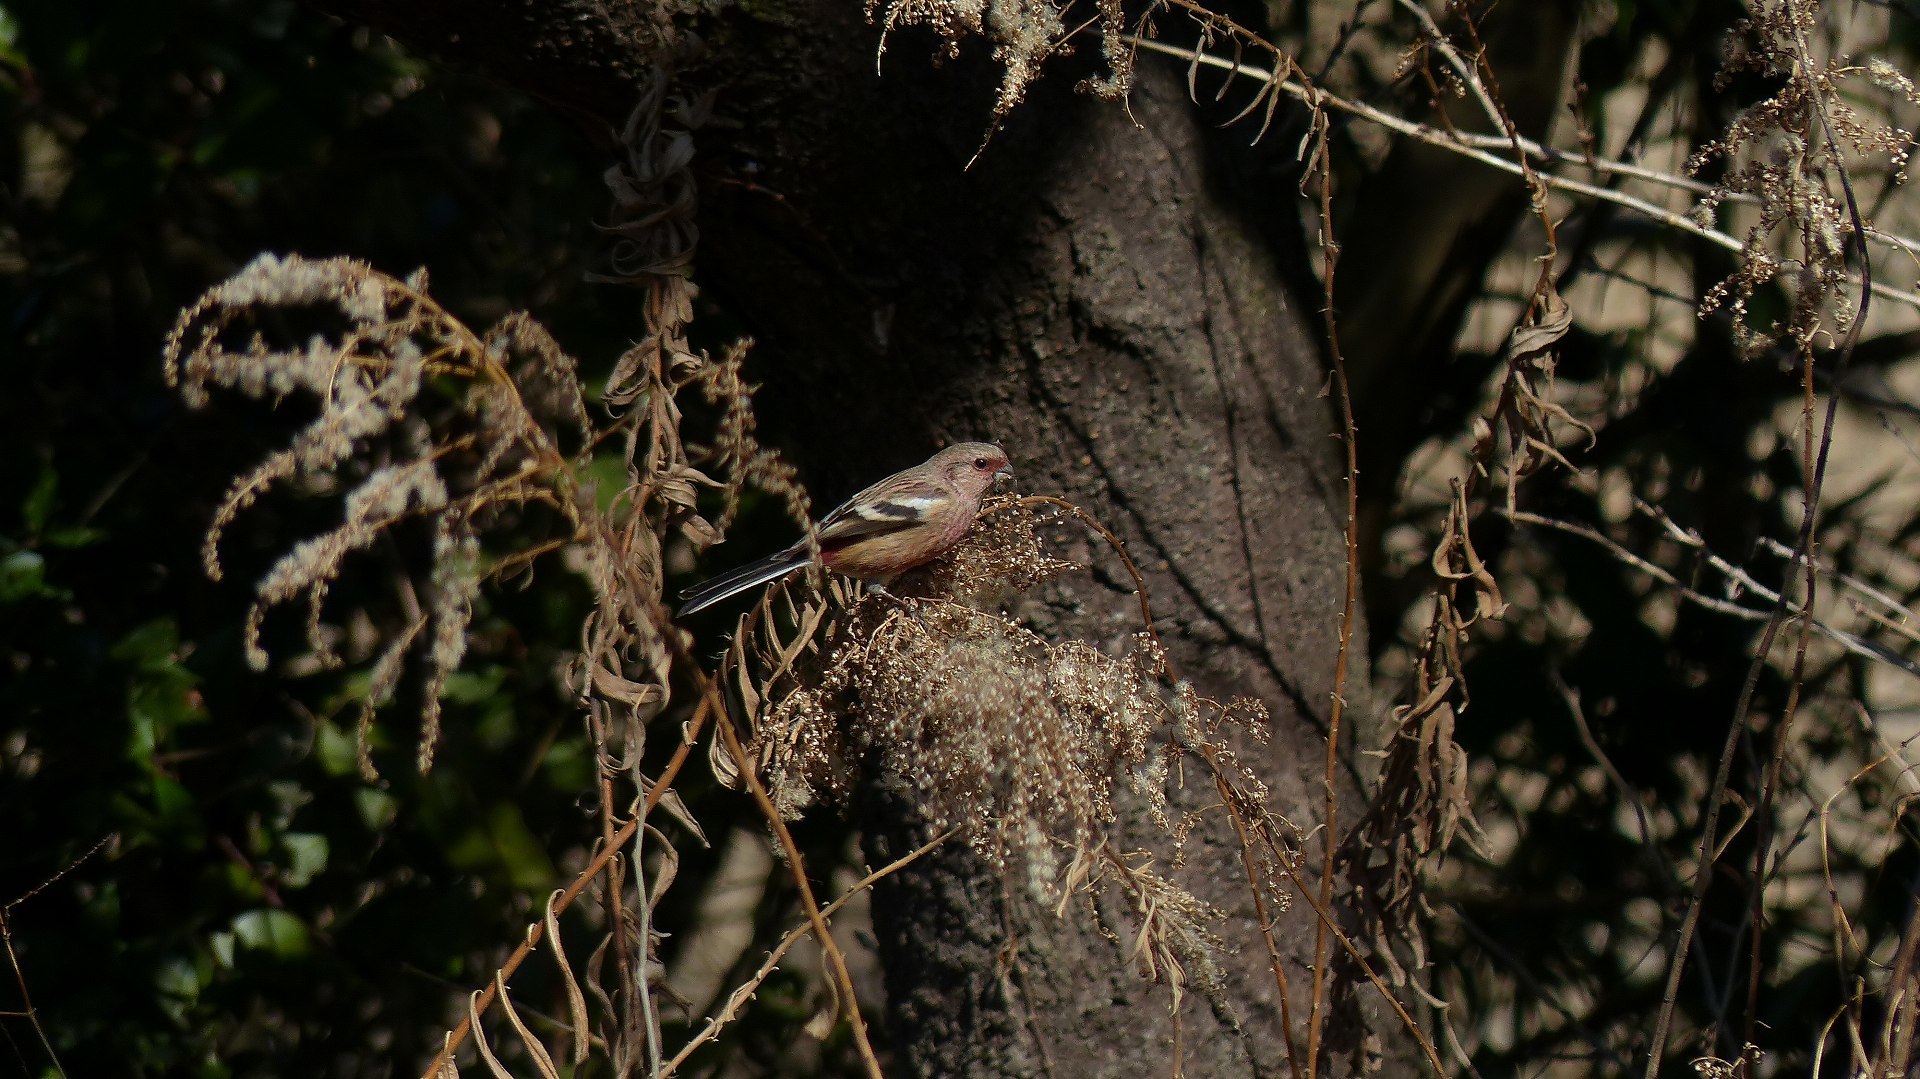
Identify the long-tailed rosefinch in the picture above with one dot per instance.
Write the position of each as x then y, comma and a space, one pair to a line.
887, 529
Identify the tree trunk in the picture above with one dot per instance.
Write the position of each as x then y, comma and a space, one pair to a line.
1087, 296
1083, 296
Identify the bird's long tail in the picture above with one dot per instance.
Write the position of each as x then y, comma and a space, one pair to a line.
708, 593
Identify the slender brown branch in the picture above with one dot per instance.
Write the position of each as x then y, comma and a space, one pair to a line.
484, 998
836, 959
1479, 148
745, 990
1262, 829
1903, 1002
1366, 969
1266, 926
1119, 548
1815, 466
608, 850
28, 1011
1349, 601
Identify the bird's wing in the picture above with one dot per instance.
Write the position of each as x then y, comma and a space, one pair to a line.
892, 505
889, 507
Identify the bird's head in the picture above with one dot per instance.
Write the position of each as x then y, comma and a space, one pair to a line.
973, 466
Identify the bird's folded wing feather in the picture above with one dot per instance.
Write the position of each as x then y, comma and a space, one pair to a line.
869, 513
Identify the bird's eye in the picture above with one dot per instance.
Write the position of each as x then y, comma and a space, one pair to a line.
980, 463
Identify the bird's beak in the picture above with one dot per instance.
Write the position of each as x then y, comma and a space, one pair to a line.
1005, 473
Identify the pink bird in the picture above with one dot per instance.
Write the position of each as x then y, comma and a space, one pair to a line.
899, 523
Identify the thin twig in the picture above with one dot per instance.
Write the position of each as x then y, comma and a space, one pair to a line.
836, 959
1266, 928
1353, 951
1472, 147
745, 990
1349, 603
1739, 577
1903, 995
1814, 465
28, 1011
1815, 468
1113, 542
608, 851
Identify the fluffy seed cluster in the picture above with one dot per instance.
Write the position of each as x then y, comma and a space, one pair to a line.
1022, 743
1787, 153
1024, 33
396, 450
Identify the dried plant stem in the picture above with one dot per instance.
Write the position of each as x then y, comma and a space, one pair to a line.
1113, 541
1903, 1003
1706, 853
711, 699
1322, 170
750, 777
648, 896
836, 959
1366, 969
1894, 1047
1473, 148
622, 960
27, 1010
609, 849
1266, 925
484, 998
745, 990
1763, 815
1813, 464
1264, 831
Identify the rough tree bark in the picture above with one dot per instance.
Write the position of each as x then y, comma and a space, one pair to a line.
1090, 296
